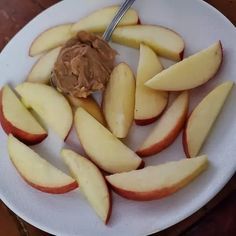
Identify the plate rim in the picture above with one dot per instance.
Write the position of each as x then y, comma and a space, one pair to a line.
179, 219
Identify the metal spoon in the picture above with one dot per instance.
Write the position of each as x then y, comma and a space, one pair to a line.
111, 27
115, 21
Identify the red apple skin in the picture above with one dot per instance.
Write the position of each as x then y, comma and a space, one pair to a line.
150, 120
216, 72
153, 195
146, 121
110, 204
169, 139
145, 196
27, 138
60, 190
184, 141
69, 131
141, 166
213, 75
104, 173
181, 55
184, 137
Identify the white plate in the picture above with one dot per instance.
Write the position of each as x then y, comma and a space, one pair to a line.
69, 214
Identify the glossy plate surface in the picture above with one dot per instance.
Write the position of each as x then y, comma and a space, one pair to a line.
69, 214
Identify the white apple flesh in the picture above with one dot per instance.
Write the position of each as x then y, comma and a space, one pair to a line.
102, 147
98, 20
36, 171
203, 117
155, 182
49, 104
165, 42
90, 105
42, 69
50, 38
190, 73
149, 103
17, 120
167, 128
118, 100
91, 182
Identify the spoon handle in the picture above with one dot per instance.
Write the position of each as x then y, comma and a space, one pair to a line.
123, 9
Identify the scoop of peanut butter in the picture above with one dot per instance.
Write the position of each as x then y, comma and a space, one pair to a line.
84, 65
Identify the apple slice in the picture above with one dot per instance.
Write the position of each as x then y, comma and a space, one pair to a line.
149, 103
203, 117
90, 105
51, 38
91, 181
41, 71
103, 148
98, 20
36, 171
49, 104
165, 42
118, 100
191, 72
167, 128
155, 182
16, 119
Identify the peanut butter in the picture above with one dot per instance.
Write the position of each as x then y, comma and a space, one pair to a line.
84, 65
